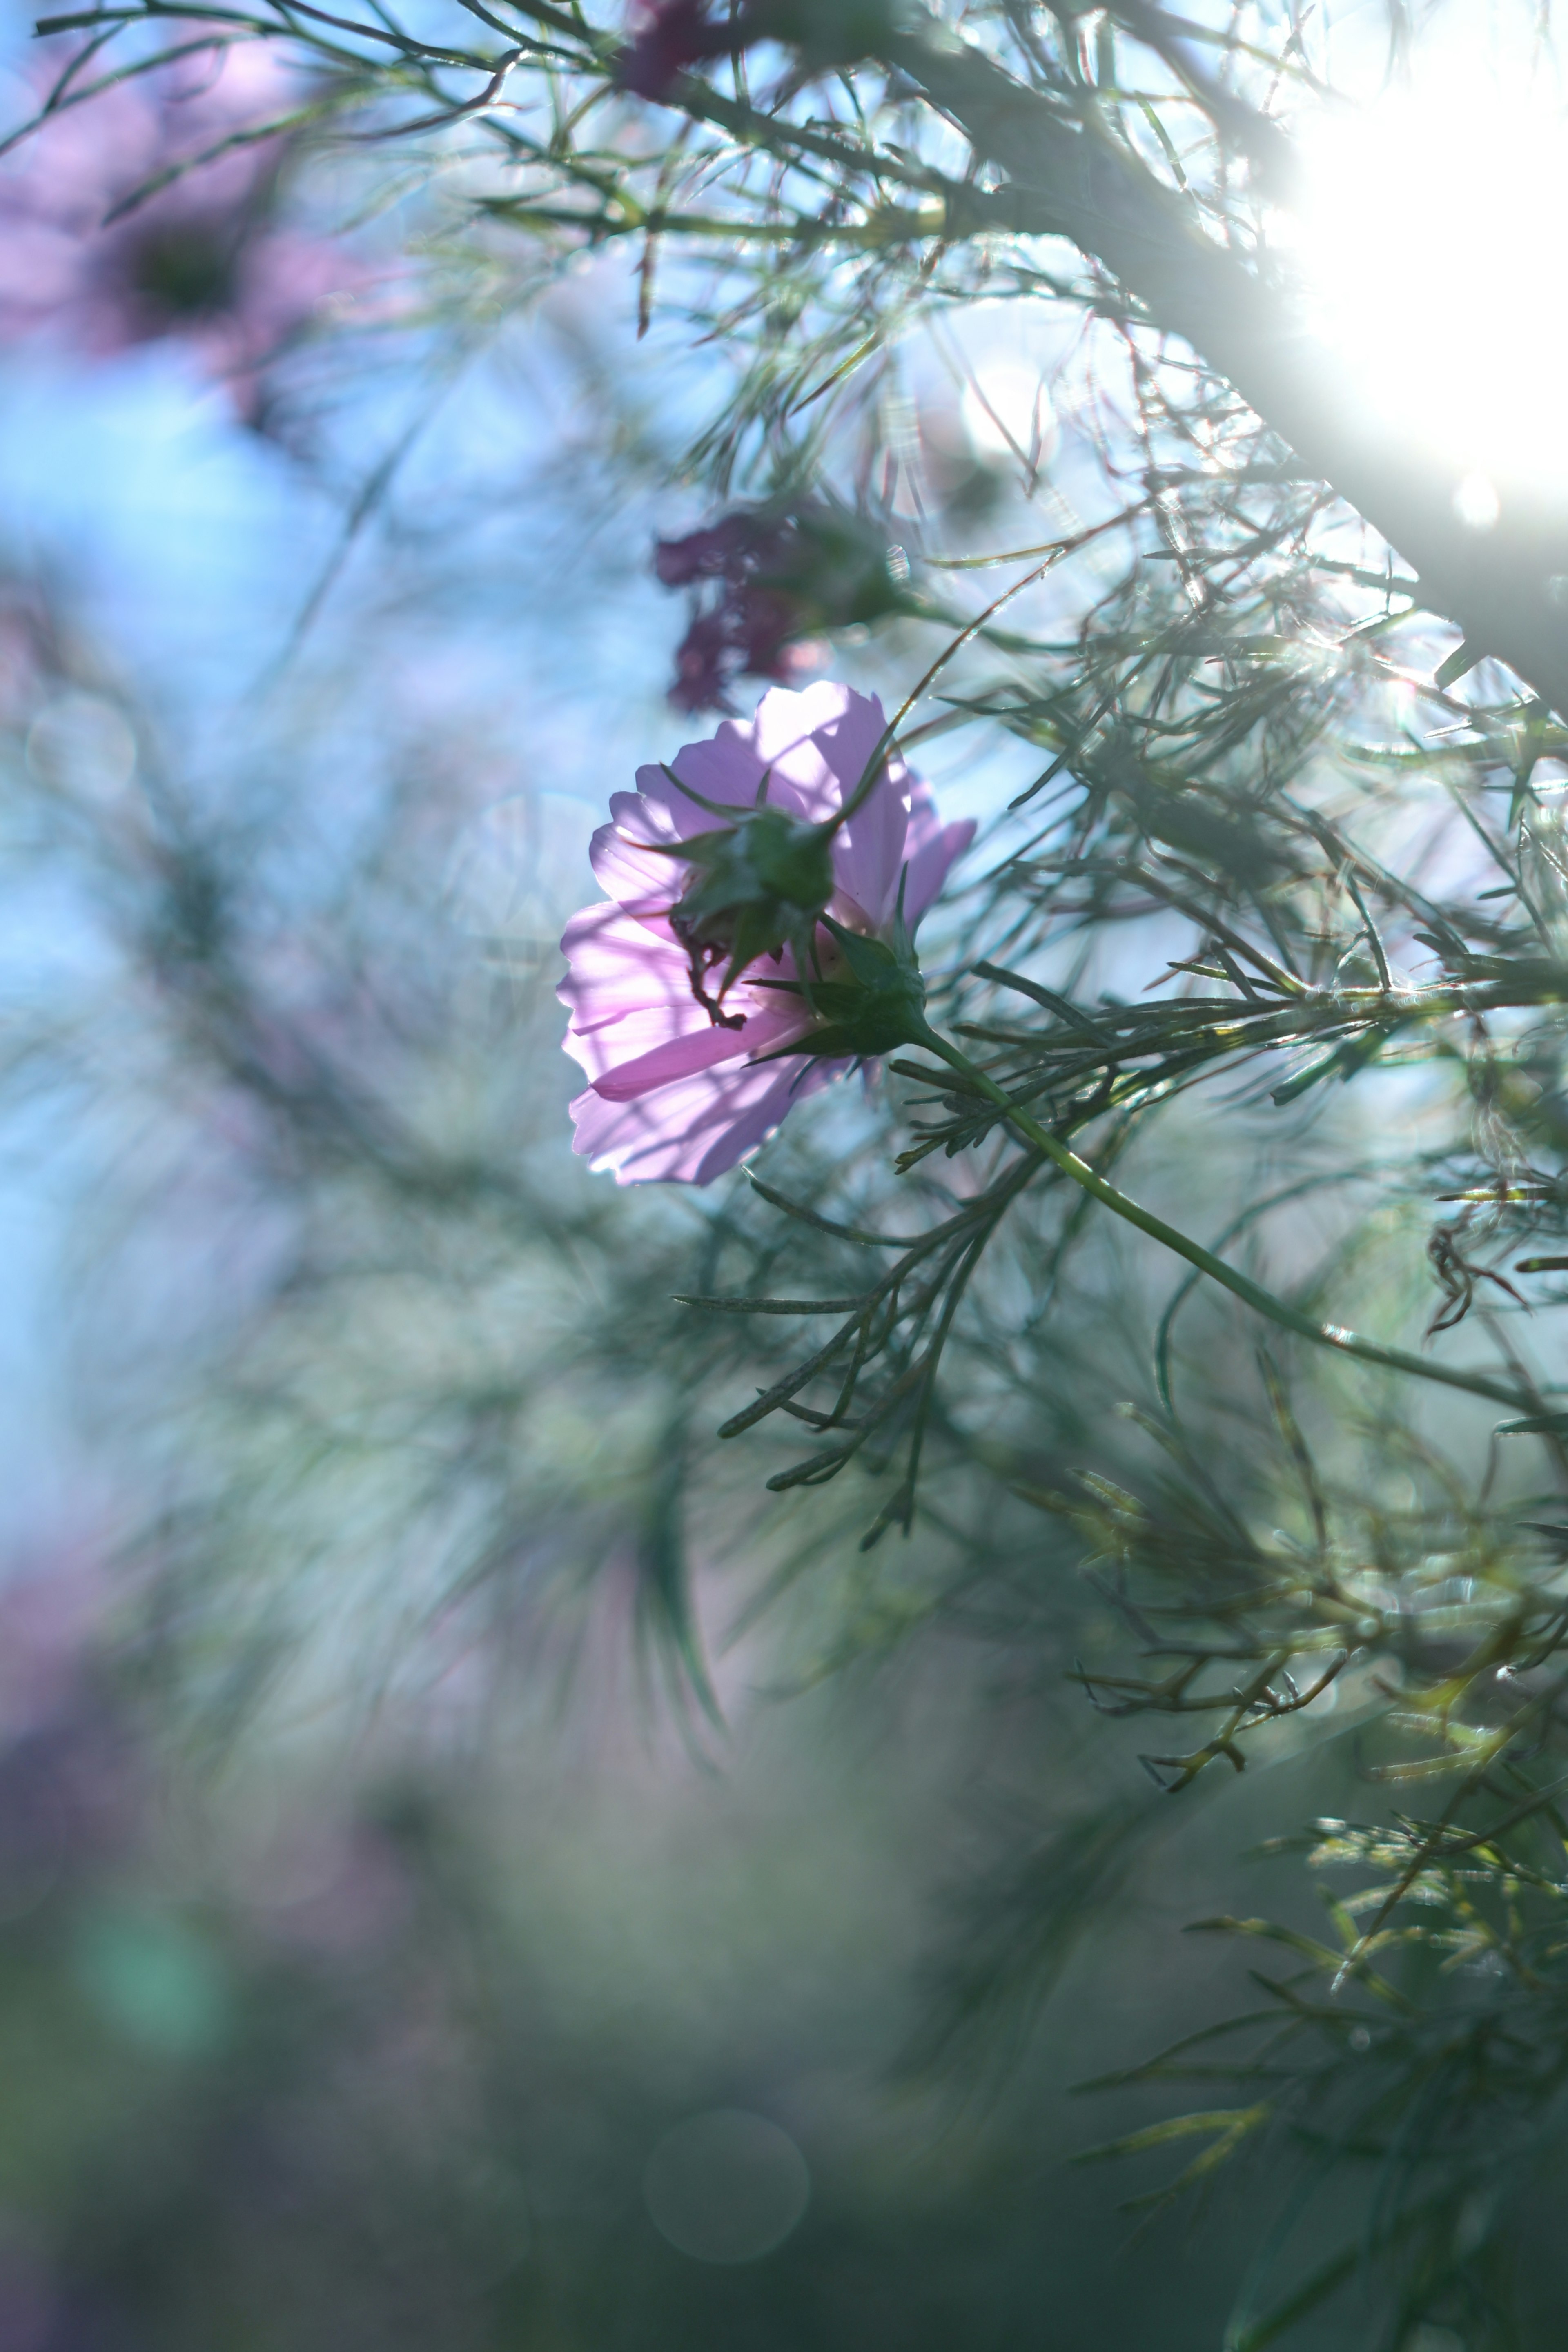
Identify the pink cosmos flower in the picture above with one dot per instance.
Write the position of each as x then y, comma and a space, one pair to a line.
673, 1094
205, 258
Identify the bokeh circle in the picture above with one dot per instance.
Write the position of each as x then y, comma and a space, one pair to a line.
726, 2186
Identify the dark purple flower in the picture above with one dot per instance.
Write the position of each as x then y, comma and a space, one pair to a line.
708, 554
671, 35
703, 665
786, 575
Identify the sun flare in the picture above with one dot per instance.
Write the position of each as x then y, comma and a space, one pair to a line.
1433, 234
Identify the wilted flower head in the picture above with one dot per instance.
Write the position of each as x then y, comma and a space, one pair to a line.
669, 36
678, 1089
203, 257
780, 575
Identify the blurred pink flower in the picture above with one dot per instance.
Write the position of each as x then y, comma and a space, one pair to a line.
674, 1096
205, 258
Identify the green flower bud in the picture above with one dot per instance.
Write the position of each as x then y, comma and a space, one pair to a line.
760, 885
868, 994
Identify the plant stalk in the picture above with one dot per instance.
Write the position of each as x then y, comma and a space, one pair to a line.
1253, 1293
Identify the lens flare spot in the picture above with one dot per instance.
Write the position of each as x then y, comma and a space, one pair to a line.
1008, 413
726, 2187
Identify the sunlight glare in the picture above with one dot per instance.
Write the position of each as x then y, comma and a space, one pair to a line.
1434, 239
1008, 413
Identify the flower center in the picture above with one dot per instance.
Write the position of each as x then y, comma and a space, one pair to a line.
185, 269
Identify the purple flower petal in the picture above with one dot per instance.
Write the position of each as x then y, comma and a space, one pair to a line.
616, 968
697, 1129
930, 850
640, 879
682, 1058
821, 741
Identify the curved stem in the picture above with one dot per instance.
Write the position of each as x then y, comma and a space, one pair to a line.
1262, 1302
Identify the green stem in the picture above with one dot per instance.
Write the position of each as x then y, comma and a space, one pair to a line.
1263, 1302
874, 765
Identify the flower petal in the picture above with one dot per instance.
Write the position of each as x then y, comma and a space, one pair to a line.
821, 741
725, 771
646, 882
869, 852
815, 744
614, 1043
932, 848
682, 1058
697, 1129
617, 966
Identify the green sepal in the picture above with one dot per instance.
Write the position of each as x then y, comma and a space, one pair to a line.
758, 885
879, 1007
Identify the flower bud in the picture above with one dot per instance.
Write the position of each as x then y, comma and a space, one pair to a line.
868, 994
760, 885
